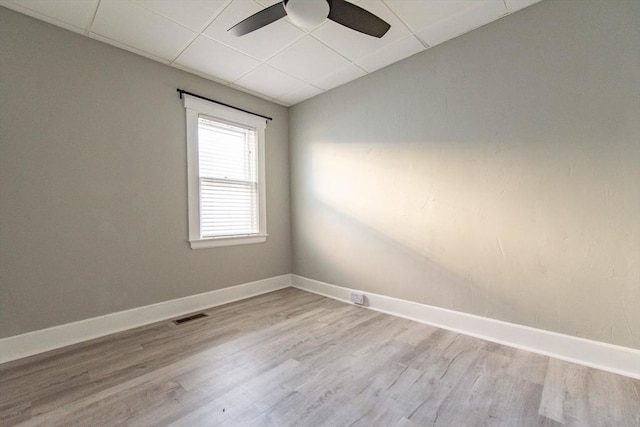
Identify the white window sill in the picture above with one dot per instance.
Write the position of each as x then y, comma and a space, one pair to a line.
228, 241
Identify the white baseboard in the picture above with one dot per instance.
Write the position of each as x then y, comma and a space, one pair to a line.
594, 354
599, 355
19, 346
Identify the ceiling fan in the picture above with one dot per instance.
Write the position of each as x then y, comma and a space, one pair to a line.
310, 13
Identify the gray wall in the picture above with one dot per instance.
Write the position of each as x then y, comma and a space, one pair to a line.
497, 174
93, 192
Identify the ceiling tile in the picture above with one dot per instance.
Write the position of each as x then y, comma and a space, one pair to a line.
216, 59
71, 12
391, 53
261, 44
269, 81
421, 14
267, 3
200, 74
193, 14
340, 77
471, 18
514, 5
254, 93
355, 45
128, 23
123, 46
309, 60
300, 95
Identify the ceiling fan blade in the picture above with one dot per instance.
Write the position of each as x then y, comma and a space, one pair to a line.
356, 18
259, 20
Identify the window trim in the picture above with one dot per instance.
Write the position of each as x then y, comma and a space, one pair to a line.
195, 107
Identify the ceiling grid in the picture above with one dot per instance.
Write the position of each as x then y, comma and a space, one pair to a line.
279, 62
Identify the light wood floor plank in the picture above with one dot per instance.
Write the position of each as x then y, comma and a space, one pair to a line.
292, 358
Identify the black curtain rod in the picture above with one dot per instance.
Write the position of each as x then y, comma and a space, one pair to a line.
182, 91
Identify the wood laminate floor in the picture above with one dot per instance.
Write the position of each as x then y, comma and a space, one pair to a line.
292, 358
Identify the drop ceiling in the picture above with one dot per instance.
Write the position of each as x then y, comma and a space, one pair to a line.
279, 62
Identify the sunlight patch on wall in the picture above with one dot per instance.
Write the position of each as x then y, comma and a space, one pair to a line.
485, 215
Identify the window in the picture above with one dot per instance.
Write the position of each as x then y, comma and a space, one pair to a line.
225, 159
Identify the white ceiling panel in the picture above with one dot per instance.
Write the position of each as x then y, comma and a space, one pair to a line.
463, 22
280, 61
391, 53
515, 5
271, 82
261, 44
354, 45
309, 60
70, 12
193, 14
123, 46
340, 77
135, 26
267, 3
305, 92
216, 59
419, 14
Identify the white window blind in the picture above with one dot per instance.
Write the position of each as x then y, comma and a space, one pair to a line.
228, 179
226, 175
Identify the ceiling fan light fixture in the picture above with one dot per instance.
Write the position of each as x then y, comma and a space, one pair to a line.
307, 14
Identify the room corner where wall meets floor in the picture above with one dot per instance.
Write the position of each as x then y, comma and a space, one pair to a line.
293, 358
607, 357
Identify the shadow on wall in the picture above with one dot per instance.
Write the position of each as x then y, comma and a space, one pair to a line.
507, 234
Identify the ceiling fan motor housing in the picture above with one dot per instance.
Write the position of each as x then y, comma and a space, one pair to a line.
307, 13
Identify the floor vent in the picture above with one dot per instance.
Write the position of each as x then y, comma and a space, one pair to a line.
189, 318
